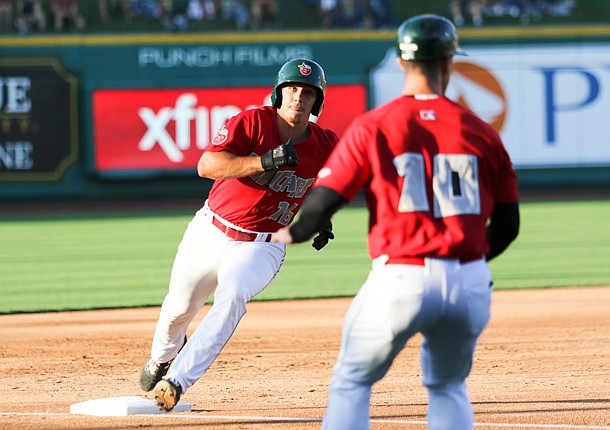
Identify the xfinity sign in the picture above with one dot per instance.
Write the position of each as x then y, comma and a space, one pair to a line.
155, 130
182, 115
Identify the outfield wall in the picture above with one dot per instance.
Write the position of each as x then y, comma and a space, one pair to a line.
126, 116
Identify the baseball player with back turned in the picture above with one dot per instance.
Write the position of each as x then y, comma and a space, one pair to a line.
434, 175
260, 184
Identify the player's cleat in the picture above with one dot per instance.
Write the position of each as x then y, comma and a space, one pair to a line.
152, 372
167, 394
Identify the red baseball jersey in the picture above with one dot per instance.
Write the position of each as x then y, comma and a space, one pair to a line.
266, 201
431, 172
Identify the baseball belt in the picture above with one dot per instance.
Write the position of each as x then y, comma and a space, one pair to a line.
421, 261
235, 234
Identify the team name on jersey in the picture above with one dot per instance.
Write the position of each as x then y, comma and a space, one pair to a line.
284, 181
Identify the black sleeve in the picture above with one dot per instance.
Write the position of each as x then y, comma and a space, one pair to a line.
319, 206
503, 228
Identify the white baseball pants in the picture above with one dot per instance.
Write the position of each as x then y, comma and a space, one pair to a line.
448, 302
207, 261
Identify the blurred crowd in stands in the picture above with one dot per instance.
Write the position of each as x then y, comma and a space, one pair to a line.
359, 14
525, 10
25, 16
28, 16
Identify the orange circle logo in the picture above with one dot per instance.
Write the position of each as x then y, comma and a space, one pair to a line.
477, 89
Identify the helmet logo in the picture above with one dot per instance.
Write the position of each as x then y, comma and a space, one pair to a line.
305, 69
411, 47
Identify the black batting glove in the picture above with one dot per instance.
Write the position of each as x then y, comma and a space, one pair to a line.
324, 236
282, 156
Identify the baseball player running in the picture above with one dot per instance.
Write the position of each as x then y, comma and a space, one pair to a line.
433, 174
260, 183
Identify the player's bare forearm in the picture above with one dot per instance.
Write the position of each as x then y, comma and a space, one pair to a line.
225, 165
282, 236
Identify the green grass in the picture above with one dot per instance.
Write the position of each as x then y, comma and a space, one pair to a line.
77, 263
560, 244
100, 261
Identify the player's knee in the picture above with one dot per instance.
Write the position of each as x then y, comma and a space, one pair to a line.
235, 294
179, 308
455, 390
361, 373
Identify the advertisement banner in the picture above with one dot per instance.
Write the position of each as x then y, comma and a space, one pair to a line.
167, 129
550, 104
37, 120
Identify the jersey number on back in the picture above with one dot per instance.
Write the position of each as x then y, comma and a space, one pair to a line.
455, 184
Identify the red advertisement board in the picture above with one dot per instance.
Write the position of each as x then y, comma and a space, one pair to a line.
167, 129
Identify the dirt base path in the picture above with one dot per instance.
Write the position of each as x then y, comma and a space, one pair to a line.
544, 362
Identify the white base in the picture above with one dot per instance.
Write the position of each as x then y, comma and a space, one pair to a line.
123, 406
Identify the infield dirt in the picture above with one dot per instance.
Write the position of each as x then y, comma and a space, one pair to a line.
543, 361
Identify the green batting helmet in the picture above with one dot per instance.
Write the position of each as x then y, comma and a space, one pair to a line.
427, 37
304, 72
